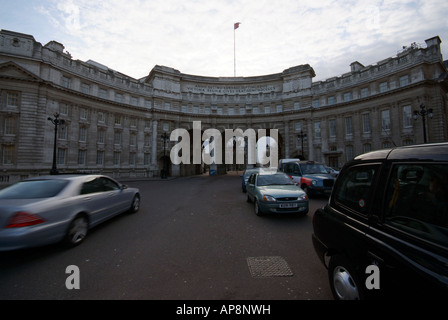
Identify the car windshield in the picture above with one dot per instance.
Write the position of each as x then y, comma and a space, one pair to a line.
314, 168
33, 189
273, 179
247, 173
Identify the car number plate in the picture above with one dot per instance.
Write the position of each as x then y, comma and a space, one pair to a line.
289, 205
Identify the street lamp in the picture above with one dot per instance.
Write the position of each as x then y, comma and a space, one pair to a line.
164, 139
56, 122
302, 136
423, 113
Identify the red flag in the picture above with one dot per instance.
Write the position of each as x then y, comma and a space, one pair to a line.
236, 25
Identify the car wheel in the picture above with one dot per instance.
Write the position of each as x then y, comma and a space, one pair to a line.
77, 231
258, 212
135, 206
344, 281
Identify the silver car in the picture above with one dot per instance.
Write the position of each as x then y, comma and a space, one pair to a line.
276, 193
50, 209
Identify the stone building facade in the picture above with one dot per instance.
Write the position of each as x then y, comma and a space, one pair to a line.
114, 124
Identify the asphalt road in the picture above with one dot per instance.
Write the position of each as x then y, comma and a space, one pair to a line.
195, 238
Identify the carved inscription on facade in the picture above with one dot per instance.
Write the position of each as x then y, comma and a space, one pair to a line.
243, 89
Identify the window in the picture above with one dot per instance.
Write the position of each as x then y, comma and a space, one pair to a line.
62, 132
354, 188
317, 130
82, 134
65, 82
133, 140
331, 100
279, 108
100, 158
384, 86
82, 113
7, 154
85, 88
332, 128
148, 104
146, 159
364, 92
9, 126
366, 123
100, 136
101, 117
12, 99
117, 120
298, 126
118, 97
296, 106
267, 109
417, 201
99, 185
63, 109
385, 119
366, 147
316, 103
407, 117
117, 158
103, 93
134, 101
404, 81
61, 154
347, 96
117, 138
147, 140
348, 126
132, 159
349, 153
82, 157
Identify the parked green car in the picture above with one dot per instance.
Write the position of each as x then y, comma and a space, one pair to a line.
276, 193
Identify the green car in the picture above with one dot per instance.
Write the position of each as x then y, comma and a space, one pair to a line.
276, 193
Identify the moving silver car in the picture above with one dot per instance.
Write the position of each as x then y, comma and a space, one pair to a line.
50, 209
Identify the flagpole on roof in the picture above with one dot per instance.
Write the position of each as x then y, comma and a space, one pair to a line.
235, 26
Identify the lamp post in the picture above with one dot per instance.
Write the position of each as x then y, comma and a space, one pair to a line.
164, 139
423, 113
56, 122
302, 136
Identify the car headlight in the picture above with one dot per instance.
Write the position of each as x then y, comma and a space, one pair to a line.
314, 182
303, 197
268, 198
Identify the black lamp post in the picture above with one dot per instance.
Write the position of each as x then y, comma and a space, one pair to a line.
423, 113
56, 122
302, 136
164, 139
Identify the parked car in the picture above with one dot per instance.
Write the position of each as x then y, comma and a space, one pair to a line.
311, 176
388, 212
245, 176
50, 209
275, 193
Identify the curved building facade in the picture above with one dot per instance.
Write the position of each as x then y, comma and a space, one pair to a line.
115, 124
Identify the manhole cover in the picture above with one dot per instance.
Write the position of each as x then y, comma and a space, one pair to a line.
268, 267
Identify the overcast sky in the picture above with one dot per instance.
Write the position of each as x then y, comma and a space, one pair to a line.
197, 36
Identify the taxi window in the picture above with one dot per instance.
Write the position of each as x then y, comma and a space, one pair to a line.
417, 200
354, 188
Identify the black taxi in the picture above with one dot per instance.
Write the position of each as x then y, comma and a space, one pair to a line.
384, 231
